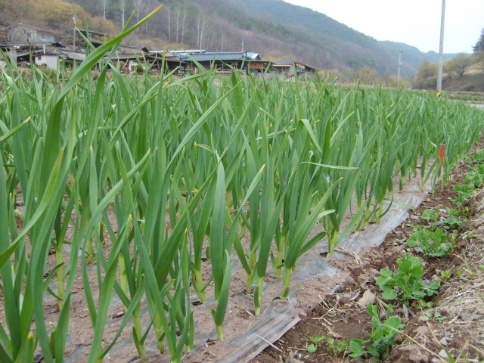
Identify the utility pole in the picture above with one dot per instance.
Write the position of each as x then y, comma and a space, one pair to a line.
441, 50
74, 33
399, 65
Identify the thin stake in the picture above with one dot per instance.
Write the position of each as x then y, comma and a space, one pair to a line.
268, 342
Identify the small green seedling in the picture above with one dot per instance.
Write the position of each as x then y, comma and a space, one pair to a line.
312, 348
428, 315
316, 341
336, 347
430, 216
460, 274
446, 274
469, 234
406, 284
433, 244
382, 336
464, 192
453, 221
425, 304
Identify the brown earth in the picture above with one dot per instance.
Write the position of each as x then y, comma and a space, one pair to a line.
342, 315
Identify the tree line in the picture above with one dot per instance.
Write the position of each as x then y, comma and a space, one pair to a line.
455, 68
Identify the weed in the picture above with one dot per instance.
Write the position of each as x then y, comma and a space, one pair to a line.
382, 336
433, 244
464, 192
428, 315
454, 221
446, 274
406, 284
468, 234
336, 347
316, 341
460, 274
430, 216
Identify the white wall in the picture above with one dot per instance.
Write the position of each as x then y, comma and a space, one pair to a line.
48, 60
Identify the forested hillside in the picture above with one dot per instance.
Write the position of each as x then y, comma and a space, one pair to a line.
273, 28
355, 49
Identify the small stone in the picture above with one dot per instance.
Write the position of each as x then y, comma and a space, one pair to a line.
367, 298
363, 279
443, 354
467, 316
443, 341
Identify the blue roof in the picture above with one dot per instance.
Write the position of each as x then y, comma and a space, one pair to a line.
218, 56
213, 56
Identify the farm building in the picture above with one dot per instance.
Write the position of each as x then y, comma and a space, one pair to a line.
224, 62
129, 63
26, 34
291, 68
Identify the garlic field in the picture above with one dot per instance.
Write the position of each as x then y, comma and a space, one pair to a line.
187, 167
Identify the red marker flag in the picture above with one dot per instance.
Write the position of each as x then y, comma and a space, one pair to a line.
441, 154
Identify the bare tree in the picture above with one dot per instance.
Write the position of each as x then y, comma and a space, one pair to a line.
104, 5
458, 65
200, 29
169, 24
137, 7
146, 7
122, 3
183, 26
177, 27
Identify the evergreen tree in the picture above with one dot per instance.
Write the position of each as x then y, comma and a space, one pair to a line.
479, 47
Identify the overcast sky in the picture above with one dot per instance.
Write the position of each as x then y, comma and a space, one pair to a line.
414, 22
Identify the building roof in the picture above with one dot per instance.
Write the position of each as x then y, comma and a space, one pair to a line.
73, 55
150, 57
159, 53
90, 33
254, 56
212, 56
203, 56
45, 30
283, 63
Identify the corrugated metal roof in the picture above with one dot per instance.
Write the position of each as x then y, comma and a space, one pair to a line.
282, 63
214, 57
45, 30
74, 55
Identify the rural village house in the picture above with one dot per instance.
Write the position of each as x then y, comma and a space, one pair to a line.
21, 34
44, 47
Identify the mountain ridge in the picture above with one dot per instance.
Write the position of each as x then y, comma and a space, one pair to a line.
273, 28
385, 53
